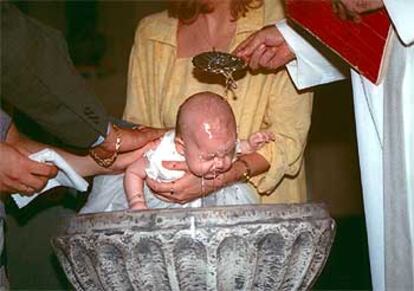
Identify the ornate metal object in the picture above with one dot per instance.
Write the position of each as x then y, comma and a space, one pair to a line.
262, 247
220, 63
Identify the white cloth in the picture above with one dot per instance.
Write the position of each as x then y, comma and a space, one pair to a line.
66, 176
165, 151
108, 191
384, 121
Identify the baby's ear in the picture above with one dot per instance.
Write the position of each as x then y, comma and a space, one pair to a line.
179, 145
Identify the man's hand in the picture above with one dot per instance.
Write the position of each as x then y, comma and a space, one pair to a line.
265, 49
133, 139
351, 9
127, 158
130, 139
20, 174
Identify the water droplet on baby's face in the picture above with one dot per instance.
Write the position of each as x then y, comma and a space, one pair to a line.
207, 130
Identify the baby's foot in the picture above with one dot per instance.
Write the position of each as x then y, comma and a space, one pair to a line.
137, 202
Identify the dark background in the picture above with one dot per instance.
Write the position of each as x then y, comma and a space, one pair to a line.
100, 36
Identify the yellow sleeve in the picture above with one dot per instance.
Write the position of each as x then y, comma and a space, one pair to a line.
137, 107
288, 116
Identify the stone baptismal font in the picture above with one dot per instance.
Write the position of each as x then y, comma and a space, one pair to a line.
250, 247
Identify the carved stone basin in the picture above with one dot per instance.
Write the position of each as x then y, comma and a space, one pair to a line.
261, 247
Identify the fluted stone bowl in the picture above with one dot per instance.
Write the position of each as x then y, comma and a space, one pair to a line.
262, 247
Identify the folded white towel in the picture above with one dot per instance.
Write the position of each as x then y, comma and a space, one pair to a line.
66, 176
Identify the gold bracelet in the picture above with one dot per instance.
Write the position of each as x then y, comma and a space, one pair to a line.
247, 175
107, 162
248, 178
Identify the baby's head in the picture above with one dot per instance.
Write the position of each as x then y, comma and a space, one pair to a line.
206, 134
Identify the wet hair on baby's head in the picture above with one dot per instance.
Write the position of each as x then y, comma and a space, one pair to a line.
204, 106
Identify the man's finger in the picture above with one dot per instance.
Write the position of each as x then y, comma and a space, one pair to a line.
240, 49
269, 54
251, 45
144, 137
24, 189
42, 169
341, 11
36, 183
132, 139
254, 60
282, 57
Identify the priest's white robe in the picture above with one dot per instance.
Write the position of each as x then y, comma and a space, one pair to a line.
384, 115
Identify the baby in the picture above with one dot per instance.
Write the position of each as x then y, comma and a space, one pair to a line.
205, 138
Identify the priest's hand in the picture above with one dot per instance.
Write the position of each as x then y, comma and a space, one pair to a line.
351, 9
265, 49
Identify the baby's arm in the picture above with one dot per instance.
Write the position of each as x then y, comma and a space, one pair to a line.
255, 142
134, 184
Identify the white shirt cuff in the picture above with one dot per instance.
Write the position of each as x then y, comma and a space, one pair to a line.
101, 138
401, 14
309, 68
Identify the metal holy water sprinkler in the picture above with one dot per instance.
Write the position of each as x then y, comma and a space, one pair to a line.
220, 63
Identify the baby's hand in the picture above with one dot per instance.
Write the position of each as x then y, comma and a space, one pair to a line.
259, 139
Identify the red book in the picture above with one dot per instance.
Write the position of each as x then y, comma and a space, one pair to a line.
363, 45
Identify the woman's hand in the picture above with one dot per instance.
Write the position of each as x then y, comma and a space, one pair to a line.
187, 188
191, 187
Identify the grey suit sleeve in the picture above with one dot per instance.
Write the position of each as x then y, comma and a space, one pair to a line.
38, 78
5, 122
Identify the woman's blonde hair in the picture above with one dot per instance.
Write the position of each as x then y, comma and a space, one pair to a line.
188, 10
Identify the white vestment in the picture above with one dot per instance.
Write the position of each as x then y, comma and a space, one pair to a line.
384, 117
108, 191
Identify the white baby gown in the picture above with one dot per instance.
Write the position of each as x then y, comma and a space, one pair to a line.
108, 190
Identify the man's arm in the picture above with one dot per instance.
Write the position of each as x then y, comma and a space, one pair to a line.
39, 79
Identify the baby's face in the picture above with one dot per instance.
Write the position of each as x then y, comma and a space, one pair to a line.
209, 154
